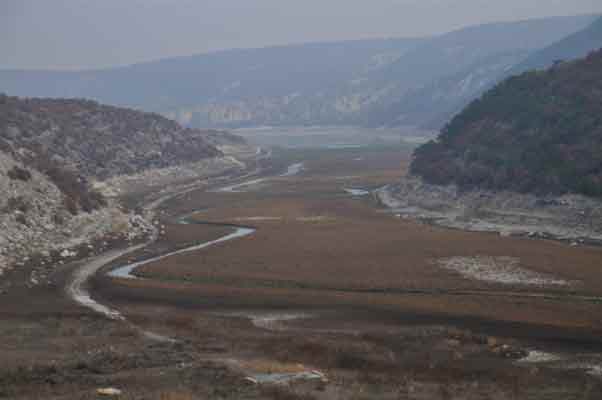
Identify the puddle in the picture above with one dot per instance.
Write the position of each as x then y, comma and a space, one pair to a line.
270, 372
316, 218
258, 218
294, 169
357, 192
236, 188
282, 378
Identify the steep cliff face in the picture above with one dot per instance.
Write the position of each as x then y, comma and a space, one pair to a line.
537, 132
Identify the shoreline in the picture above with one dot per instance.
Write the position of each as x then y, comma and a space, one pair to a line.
568, 219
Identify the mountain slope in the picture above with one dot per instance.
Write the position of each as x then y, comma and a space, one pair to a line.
221, 78
96, 140
574, 46
538, 132
431, 105
55, 152
469, 45
366, 82
434, 103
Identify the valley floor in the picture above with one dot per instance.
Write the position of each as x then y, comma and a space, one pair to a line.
332, 296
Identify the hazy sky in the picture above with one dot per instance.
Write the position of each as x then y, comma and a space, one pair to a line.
94, 33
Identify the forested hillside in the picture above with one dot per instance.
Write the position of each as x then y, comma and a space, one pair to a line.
537, 132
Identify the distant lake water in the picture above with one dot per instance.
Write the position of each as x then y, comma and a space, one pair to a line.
332, 137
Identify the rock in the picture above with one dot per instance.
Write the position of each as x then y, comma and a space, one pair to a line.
508, 351
66, 253
250, 381
108, 392
323, 377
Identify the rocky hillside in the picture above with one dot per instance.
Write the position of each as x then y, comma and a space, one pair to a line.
538, 132
368, 82
96, 140
44, 223
54, 153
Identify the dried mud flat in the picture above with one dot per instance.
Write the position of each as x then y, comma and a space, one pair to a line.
331, 297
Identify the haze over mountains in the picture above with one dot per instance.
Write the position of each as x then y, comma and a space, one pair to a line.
572, 47
392, 82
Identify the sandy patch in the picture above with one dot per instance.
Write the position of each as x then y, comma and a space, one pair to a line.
274, 321
505, 270
536, 356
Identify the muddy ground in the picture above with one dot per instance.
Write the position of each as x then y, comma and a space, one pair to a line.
329, 282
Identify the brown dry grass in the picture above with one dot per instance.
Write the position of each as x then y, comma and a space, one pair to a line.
176, 396
370, 345
264, 366
300, 261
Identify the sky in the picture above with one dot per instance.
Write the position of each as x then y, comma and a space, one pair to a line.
80, 34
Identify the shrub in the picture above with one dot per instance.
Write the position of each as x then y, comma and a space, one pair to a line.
16, 204
18, 173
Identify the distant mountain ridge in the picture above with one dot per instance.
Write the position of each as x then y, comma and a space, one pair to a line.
418, 81
538, 132
574, 46
448, 95
220, 88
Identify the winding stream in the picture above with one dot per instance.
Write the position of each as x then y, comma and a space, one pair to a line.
79, 292
126, 271
77, 288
